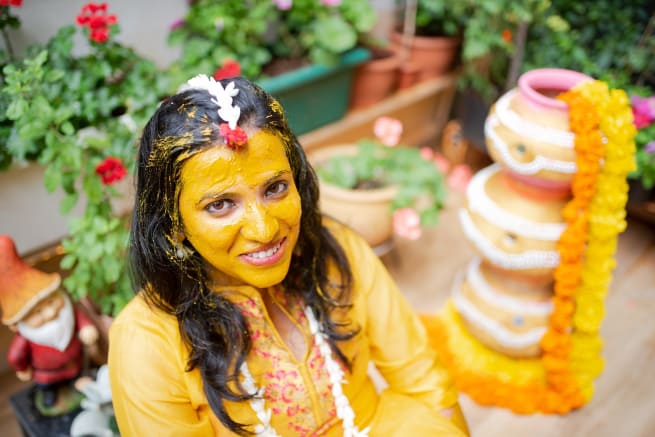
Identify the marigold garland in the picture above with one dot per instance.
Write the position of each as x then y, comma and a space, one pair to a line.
562, 379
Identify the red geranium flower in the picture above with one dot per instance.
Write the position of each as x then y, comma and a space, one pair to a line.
507, 35
111, 170
94, 17
230, 68
15, 3
234, 138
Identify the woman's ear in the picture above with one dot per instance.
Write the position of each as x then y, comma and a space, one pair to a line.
182, 251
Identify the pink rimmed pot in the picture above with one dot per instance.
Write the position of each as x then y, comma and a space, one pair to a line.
527, 132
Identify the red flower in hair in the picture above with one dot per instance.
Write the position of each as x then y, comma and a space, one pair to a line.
234, 138
230, 68
111, 170
94, 17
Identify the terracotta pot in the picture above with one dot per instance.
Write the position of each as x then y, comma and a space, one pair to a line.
434, 55
374, 80
409, 75
366, 211
527, 130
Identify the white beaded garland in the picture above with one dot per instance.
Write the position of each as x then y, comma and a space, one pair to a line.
336, 375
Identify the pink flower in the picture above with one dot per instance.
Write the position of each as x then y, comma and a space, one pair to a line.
459, 177
643, 110
177, 23
332, 3
283, 5
650, 147
427, 153
441, 162
407, 223
388, 130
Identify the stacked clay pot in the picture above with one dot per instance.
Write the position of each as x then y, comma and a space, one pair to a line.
513, 215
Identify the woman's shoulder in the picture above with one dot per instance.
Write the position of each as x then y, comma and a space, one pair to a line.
348, 239
140, 315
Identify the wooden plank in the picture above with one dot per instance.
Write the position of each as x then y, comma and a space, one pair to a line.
423, 109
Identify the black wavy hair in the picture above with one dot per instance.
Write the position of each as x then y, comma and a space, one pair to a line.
213, 327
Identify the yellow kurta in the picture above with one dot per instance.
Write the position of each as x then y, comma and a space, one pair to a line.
153, 395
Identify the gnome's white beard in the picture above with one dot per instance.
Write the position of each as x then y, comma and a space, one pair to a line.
56, 333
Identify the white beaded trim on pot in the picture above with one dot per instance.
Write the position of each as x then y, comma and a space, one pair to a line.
486, 292
530, 259
508, 339
335, 373
479, 202
528, 129
538, 164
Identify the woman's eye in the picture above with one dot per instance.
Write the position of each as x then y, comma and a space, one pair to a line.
220, 206
277, 188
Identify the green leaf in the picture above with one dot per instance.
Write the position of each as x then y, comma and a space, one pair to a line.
334, 34
16, 109
68, 202
52, 178
67, 262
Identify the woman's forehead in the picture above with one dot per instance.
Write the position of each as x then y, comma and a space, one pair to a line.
263, 156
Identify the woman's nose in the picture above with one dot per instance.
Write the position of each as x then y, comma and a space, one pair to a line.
259, 224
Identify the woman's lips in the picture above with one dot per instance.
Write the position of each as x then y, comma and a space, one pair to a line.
267, 255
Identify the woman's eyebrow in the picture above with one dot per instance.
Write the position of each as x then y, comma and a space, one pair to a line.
216, 195
275, 176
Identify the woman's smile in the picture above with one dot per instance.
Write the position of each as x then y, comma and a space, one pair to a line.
266, 255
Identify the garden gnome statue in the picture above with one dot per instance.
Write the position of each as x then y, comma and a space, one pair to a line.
50, 331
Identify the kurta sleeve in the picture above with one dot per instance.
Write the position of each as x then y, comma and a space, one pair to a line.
148, 386
418, 384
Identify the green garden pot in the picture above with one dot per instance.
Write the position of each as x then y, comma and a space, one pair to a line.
316, 95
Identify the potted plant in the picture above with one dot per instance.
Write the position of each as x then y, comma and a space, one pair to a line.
285, 45
377, 186
427, 36
77, 116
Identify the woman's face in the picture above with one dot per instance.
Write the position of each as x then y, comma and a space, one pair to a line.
241, 211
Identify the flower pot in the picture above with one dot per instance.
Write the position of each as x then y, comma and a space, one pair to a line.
434, 55
315, 95
527, 130
408, 75
366, 211
375, 79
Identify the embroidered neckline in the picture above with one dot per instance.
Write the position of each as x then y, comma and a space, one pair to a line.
336, 375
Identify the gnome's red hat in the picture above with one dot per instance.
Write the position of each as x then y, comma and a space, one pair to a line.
21, 286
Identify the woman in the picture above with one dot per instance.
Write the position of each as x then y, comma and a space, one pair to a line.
255, 314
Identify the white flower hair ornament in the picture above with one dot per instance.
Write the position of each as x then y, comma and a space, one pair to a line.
235, 137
